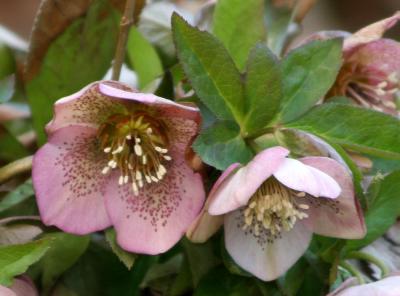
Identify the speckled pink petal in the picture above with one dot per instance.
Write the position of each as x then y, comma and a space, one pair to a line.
380, 56
323, 35
4, 291
342, 217
68, 182
205, 225
267, 261
154, 221
237, 189
87, 107
389, 286
298, 176
371, 33
165, 106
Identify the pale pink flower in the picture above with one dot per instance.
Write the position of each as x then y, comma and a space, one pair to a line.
22, 286
370, 74
116, 157
272, 206
389, 286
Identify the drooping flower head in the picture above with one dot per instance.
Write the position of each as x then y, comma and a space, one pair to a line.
370, 74
117, 157
272, 206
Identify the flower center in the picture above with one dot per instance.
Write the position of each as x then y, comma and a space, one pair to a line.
137, 145
370, 89
273, 208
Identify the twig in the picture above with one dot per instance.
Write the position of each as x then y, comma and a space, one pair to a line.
126, 22
16, 167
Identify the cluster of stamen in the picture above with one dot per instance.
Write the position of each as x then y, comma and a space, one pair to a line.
372, 89
136, 145
273, 208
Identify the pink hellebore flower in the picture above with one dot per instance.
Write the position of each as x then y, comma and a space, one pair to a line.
116, 157
22, 286
370, 74
389, 286
272, 206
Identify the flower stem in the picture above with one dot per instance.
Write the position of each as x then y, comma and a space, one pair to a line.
350, 268
16, 167
372, 259
126, 22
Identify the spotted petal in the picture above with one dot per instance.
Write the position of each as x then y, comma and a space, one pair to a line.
237, 189
22, 286
154, 221
265, 260
389, 286
205, 225
68, 181
341, 218
298, 176
87, 107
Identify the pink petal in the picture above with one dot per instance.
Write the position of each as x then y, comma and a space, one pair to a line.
205, 225
154, 221
22, 286
237, 189
267, 261
341, 218
298, 176
380, 56
389, 286
166, 106
371, 33
68, 181
87, 107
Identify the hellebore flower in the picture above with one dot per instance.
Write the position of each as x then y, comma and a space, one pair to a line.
117, 157
272, 206
370, 74
22, 286
389, 286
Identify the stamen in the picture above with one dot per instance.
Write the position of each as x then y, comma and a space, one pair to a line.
138, 150
118, 150
107, 149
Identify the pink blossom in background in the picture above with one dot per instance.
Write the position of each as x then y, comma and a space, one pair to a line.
272, 206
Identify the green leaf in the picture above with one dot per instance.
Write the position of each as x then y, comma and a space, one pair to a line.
19, 194
7, 88
65, 250
383, 210
353, 127
239, 25
210, 69
11, 148
127, 258
15, 259
308, 73
263, 88
143, 57
80, 55
221, 145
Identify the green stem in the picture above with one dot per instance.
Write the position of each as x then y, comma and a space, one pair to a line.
372, 259
16, 167
353, 271
126, 22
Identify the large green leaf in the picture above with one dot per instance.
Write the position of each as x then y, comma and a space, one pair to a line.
80, 55
11, 148
210, 70
65, 250
221, 145
239, 25
383, 210
353, 127
308, 73
143, 57
15, 259
263, 88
